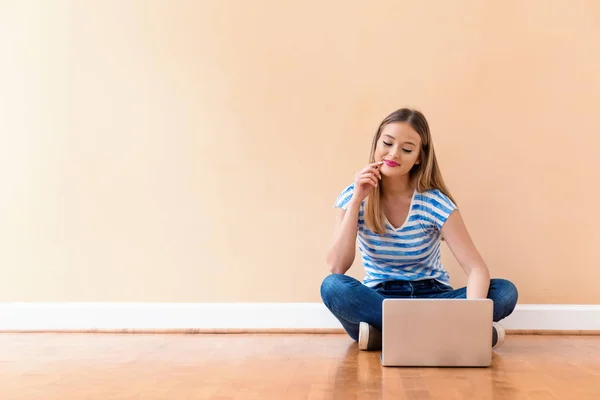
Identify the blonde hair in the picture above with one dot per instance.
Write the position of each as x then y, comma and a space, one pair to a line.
424, 176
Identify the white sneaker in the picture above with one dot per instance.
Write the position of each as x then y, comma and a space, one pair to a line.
497, 335
369, 338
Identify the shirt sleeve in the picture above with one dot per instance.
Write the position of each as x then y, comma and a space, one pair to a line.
344, 197
440, 206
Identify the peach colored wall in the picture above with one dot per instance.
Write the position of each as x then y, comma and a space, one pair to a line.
192, 150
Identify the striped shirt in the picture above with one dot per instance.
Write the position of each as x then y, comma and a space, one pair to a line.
410, 252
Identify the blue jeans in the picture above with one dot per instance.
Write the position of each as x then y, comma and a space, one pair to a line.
351, 302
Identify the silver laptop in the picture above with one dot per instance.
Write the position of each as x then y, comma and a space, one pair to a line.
437, 332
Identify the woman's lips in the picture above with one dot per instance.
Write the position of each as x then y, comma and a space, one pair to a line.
390, 163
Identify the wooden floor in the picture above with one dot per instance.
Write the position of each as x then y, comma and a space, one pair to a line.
284, 366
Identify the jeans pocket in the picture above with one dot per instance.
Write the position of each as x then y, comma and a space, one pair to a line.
394, 293
442, 287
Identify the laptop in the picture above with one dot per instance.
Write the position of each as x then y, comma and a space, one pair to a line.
437, 333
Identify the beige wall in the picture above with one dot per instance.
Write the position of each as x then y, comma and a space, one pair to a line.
192, 150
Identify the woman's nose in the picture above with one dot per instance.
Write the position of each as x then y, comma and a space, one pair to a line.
395, 152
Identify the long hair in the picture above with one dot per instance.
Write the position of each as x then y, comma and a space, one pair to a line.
424, 176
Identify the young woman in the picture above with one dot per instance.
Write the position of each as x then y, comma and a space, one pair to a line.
398, 210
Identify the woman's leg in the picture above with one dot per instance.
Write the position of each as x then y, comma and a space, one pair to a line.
502, 292
351, 302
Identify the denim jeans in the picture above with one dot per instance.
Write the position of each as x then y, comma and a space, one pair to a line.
351, 302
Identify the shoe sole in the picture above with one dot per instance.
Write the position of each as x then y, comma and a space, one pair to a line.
363, 336
501, 334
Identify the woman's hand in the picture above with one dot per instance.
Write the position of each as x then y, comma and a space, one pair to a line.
365, 180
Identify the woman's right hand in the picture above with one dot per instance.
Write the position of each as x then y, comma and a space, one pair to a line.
365, 180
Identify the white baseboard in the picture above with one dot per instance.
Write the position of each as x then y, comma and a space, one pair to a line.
244, 316
554, 317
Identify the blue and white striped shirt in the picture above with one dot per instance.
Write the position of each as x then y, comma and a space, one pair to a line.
410, 252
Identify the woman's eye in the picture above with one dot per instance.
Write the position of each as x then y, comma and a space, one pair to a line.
407, 150
386, 143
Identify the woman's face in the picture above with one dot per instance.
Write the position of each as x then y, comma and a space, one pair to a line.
399, 147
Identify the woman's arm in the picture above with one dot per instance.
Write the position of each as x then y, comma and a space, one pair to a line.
460, 243
341, 253
343, 249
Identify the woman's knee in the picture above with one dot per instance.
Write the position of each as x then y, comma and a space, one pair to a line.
505, 295
334, 286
